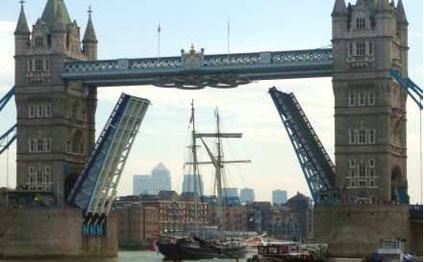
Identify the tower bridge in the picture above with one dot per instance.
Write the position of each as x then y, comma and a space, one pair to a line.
57, 76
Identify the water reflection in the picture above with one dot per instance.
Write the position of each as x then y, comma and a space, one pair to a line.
124, 256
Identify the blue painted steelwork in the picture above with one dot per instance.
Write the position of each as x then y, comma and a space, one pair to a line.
7, 139
316, 164
413, 90
196, 70
6, 98
95, 188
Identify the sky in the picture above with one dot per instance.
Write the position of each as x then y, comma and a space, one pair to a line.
128, 29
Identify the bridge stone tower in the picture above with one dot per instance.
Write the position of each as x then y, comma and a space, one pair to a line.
55, 118
369, 39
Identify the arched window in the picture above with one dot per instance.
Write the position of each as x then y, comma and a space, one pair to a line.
76, 142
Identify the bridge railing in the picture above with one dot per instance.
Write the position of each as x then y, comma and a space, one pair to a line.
312, 56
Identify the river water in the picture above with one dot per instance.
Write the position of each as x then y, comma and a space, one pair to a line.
125, 256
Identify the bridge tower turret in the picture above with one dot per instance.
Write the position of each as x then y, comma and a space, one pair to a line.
55, 119
369, 39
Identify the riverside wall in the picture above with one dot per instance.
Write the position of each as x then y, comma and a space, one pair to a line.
31, 233
355, 230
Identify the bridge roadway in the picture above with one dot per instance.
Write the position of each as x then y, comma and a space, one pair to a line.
195, 70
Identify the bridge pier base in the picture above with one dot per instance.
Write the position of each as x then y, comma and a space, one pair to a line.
42, 233
355, 230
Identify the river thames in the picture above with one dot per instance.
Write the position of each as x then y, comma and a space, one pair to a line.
124, 256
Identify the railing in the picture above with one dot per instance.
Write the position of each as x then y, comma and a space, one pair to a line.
259, 65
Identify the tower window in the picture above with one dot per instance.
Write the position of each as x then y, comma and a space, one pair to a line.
352, 137
362, 137
48, 144
360, 23
360, 49
32, 145
39, 41
371, 99
352, 99
371, 163
371, 136
361, 100
31, 111
370, 48
39, 65
352, 163
362, 170
350, 49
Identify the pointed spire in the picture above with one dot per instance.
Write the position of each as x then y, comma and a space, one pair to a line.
339, 8
59, 23
90, 34
400, 13
51, 10
22, 25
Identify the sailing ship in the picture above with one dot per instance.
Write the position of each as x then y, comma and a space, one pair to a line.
192, 247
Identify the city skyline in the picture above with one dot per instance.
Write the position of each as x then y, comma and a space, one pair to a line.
255, 115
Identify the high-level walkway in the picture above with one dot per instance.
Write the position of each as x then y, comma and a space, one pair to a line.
194, 70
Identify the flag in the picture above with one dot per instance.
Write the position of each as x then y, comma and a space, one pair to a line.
159, 28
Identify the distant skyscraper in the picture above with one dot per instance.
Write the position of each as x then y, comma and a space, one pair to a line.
279, 197
191, 182
161, 178
230, 192
141, 184
247, 195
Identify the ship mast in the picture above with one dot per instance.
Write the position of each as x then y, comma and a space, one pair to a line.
218, 162
196, 175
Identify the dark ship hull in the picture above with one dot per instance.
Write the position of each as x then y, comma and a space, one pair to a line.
194, 250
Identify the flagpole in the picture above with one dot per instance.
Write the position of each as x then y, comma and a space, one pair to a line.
228, 40
159, 30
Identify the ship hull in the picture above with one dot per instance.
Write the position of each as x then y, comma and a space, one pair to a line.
179, 252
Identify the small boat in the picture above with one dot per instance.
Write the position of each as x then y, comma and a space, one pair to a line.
287, 251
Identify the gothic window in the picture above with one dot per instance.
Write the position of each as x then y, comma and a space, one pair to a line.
40, 111
370, 136
39, 41
47, 64
40, 145
371, 98
362, 183
352, 137
370, 48
32, 111
76, 142
32, 145
371, 172
350, 49
360, 49
361, 99
360, 23
352, 99
371, 163
362, 170
31, 174
48, 144
39, 175
352, 163
362, 137
30, 67
39, 65
48, 110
